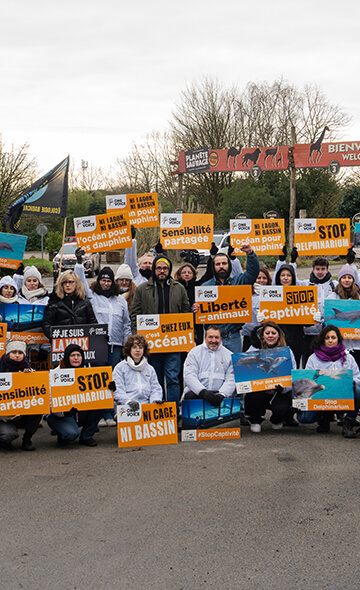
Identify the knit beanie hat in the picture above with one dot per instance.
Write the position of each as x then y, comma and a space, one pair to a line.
13, 345
106, 273
32, 271
124, 272
68, 350
347, 270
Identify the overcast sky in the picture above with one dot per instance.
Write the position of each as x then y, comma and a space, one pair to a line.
87, 78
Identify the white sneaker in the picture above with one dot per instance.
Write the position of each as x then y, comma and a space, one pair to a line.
277, 426
102, 422
110, 422
255, 427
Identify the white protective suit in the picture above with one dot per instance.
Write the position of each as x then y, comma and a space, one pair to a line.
315, 364
209, 369
131, 260
137, 383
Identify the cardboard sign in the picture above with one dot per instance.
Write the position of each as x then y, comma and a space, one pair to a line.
12, 248
3, 333
288, 305
91, 337
325, 155
262, 369
322, 236
167, 332
83, 389
266, 236
345, 314
229, 304
234, 158
24, 393
186, 230
152, 424
29, 337
22, 316
202, 421
142, 208
99, 233
325, 389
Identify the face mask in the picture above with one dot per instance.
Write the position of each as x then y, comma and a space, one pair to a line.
146, 273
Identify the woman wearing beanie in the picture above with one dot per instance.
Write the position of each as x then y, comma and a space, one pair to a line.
125, 281
32, 290
13, 361
64, 424
8, 290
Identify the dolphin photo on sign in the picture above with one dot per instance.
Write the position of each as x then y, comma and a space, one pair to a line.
262, 369
325, 389
345, 314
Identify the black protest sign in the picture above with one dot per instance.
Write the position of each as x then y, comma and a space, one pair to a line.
92, 338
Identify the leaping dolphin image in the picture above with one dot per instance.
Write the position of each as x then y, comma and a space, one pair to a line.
305, 388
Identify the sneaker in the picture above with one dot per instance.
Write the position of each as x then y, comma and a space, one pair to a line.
102, 422
255, 427
277, 426
109, 422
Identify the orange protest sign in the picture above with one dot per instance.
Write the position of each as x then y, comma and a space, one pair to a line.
167, 332
24, 393
186, 230
97, 233
151, 424
3, 332
266, 236
322, 236
29, 337
230, 304
288, 305
142, 208
83, 389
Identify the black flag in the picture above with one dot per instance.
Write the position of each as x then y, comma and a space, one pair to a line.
47, 196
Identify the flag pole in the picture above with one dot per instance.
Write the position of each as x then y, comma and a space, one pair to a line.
62, 245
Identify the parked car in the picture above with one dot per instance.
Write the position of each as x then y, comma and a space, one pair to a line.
91, 262
221, 240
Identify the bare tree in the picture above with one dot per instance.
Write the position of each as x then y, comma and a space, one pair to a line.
90, 178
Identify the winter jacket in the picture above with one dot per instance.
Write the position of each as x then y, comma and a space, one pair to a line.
66, 312
314, 364
108, 310
141, 386
209, 369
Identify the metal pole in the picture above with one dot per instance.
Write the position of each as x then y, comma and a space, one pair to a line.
292, 211
42, 246
180, 192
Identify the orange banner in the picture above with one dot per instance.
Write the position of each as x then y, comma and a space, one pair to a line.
3, 332
322, 236
289, 305
29, 337
210, 434
24, 393
186, 230
266, 236
152, 424
99, 233
230, 304
167, 332
327, 155
142, 208
83, 389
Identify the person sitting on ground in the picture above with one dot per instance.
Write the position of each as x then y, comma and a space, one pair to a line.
13, 361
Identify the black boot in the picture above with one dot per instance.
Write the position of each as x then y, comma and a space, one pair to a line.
347, 429
26, 442
324, 422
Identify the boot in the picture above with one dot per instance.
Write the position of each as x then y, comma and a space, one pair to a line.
347, 429
324, 422
26, 442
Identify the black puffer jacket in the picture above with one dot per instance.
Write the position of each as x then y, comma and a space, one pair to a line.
66, 312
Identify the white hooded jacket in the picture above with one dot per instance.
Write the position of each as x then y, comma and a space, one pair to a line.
209, 369
139, 384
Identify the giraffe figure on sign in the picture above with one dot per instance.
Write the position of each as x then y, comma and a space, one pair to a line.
316, 147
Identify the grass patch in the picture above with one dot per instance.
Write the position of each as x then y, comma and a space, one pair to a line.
45, 267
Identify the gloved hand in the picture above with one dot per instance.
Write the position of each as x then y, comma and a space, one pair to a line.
79, 253
134, 406
133, 231
212, 397
279, 389
112, 386
260, 317
257, 288
158, 248
317, 316
293, 254
20, 269
72, 412
160, 401
230, 252
350, 256
214, 249
283, 256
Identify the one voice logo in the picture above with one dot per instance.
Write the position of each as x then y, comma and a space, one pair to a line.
126, 414
148, 322
242, 226
62, 378
206, 294
85, 224
5, 381
272, 294
116, 201
305, 226
168, 220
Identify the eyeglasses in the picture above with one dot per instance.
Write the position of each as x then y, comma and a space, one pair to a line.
68, 283
137, 346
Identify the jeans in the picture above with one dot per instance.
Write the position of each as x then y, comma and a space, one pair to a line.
67, 428
231, 341
9, 430
167, 367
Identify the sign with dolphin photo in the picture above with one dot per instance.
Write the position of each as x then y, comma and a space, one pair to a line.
12, 248
345, 314
262, 369
322, 389
202, 421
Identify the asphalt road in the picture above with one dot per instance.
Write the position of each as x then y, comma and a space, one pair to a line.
275, 510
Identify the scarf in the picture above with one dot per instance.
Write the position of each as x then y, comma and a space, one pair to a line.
12, 299
139, 367
7, 365
32, 296
332, 354
317, 281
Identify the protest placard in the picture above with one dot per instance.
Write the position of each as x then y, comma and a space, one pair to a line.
202, 421
151, 424
322, 236
167, 332
12, 248
323, 389
30, 337
288, 305
345, 314
83, 389
262, 369
98, 233
266, 236
92, 338
229, 304
22, 316
24, 393
142, 208
186, 230
3, 334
